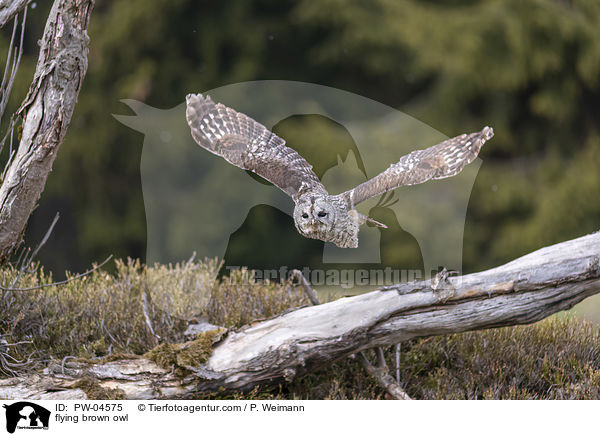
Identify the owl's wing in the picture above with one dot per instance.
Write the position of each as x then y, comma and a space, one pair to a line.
249, 145
443, 160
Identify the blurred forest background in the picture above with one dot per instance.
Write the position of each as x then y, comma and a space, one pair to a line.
530, 69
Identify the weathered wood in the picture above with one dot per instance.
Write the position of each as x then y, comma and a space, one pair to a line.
10, 8
520, 292
380, 371
46, 112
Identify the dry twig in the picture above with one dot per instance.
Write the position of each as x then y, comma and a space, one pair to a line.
380, 372
62, 282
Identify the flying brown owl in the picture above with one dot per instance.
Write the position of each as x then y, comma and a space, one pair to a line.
332, 218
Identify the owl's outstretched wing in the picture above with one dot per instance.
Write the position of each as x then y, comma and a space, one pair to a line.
445, 159
249, 145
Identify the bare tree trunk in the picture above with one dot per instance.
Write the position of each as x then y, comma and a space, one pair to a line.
46, 112
10, 8
520, 292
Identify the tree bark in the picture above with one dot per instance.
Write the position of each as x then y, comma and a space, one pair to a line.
46, 112
520, 292
10, 8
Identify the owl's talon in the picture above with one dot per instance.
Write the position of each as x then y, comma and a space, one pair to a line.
376, 223
362, 219
440, 280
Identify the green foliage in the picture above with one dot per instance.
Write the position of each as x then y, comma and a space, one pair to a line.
562, 206
528, 68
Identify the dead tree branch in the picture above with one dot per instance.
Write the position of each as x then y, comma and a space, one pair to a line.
10, 8
308, 290
523, 291
46, 113
380, 371
13, 59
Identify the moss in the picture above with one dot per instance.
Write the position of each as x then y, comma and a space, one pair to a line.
119, 356
197, 352
184, 357
94, 391
164, 355
99, 347
96, 348
110, 358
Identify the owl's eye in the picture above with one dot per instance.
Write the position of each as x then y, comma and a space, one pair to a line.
304, 215
322, 214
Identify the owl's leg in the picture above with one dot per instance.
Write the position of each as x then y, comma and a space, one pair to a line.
441, 284
365, 219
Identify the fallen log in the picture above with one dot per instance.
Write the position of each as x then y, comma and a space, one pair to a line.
523, 291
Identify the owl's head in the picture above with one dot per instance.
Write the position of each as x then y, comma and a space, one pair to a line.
314, 215
325, 217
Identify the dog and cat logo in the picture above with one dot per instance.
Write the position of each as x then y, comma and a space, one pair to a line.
26, 415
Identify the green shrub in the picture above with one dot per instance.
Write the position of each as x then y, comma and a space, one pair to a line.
552, 359
102, 313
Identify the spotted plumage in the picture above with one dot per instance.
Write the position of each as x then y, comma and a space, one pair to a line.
249, 145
